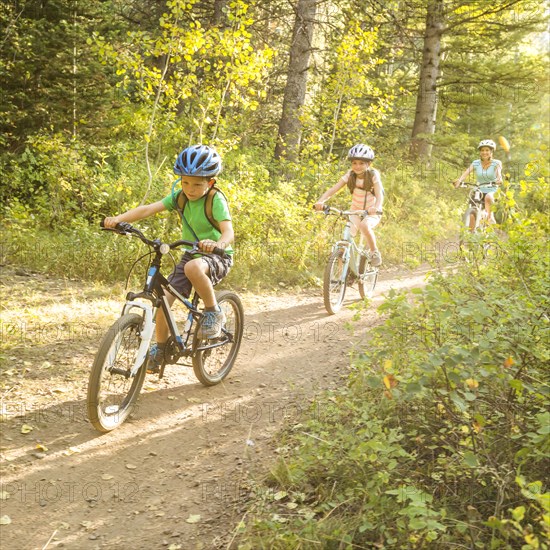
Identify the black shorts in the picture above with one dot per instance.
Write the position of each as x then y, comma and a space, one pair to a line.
218, 268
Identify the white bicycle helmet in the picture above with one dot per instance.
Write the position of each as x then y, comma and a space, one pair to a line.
487, 143
361, 152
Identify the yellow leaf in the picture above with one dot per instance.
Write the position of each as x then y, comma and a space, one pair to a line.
41, 447
390, 381
472, 383
25, 429
508, 362
131, 466
387, 364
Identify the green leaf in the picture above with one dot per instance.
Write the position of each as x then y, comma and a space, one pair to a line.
471, 459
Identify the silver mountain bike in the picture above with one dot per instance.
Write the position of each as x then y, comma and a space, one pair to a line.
348, 261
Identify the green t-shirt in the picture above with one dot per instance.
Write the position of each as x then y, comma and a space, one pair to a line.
196, 218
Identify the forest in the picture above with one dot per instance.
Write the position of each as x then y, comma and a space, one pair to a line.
440, 438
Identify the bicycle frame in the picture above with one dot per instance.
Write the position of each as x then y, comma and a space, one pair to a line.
351, 250
476, 207
154, 292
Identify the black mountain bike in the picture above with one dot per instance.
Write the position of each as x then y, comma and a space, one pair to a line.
120, 364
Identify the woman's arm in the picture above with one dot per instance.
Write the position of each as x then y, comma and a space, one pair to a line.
135, 214
464, 175
498, 172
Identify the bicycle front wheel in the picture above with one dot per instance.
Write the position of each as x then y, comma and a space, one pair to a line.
368, 276
112, 391
212, 365
334, 282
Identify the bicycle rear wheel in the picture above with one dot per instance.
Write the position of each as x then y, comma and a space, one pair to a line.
112, 392
212, 365
334, 282
368, 276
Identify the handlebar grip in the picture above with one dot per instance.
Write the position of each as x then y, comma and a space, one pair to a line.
218, 251
121, 227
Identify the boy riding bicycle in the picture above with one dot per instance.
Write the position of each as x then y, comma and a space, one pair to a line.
367, 193
197, 165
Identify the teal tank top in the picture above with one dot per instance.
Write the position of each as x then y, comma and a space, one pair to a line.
485, 176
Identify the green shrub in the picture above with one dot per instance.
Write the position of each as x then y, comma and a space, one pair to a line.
441, 437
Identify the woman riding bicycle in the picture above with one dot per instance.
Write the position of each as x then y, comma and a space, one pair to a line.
367, 194
488, 173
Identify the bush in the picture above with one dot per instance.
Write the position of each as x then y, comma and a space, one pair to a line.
441, 437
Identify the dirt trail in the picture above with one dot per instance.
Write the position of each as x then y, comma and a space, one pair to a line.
173, 476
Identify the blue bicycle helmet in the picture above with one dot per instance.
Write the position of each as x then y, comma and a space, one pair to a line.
198, 160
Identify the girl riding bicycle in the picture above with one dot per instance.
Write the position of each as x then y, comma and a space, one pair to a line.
488, 173
197, 165
367, 193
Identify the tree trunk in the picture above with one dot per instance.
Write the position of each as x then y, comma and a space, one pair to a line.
290, 125
426, 99
219, 18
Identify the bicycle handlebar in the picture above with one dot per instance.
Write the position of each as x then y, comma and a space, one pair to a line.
466, 184
125, 228
362, 213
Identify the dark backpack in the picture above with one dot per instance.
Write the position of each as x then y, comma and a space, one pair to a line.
180, 201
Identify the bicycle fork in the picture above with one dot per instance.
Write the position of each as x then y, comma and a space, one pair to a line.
344, 246
146, 333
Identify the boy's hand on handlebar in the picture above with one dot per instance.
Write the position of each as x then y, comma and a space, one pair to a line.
110, 222
319, 206
372, 210
207, 246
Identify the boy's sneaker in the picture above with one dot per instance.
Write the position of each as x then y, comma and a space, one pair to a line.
156, 357
376, 258
212, 324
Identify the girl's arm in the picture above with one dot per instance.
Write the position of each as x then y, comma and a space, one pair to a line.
135, 214
328, 193
464, 175
378, 193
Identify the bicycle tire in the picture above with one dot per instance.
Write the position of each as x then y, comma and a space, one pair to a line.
112, 395
334, 284
211, 366
368, 276
467, 215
